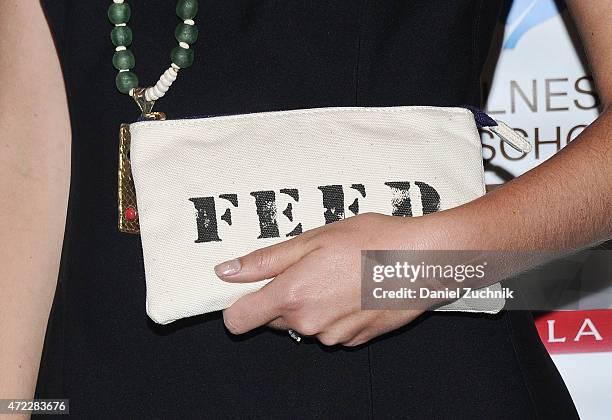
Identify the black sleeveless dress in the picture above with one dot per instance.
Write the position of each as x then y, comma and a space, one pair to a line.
102, 351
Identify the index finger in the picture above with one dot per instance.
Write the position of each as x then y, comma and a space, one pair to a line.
266, 262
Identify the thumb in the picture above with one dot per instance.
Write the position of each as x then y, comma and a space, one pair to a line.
263, 263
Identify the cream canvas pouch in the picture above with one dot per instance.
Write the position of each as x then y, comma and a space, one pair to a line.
212, 189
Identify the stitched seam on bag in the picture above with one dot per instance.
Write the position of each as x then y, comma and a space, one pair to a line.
482, 171
293, 113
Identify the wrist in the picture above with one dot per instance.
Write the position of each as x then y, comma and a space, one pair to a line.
453, 229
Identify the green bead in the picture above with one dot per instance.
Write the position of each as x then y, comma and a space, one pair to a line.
121, 36
186, 33
126, 81
187, 9
182, 57
119, 13
124, 60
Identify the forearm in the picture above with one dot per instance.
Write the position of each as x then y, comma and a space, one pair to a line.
562, 205
565, 203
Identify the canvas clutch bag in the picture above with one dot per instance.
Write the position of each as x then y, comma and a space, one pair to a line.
213, 189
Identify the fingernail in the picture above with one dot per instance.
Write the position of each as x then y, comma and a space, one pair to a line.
228, 268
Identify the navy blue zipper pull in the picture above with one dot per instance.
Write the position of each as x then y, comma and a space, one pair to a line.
501, 129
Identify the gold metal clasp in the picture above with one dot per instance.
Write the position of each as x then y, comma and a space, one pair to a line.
146, 107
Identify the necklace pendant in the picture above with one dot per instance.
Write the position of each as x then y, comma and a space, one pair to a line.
126, 193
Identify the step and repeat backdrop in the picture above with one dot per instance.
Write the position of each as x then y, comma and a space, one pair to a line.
542, 87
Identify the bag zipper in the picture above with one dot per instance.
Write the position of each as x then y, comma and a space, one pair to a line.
482, 120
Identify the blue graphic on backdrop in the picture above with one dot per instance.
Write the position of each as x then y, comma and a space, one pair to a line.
527, 14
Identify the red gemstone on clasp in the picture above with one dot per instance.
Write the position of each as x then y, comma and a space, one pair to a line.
130, 214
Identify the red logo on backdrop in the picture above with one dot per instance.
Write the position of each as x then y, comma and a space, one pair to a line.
576, 331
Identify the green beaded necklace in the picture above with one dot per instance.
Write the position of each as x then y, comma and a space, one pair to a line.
182, 56
186, 33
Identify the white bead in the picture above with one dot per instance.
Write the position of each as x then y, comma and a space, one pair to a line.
118, 1
161, 87
174, 66
189, 22
120, 48
167, 80
121, 24
184, 45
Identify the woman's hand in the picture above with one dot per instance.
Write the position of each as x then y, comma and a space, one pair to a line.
316, 286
